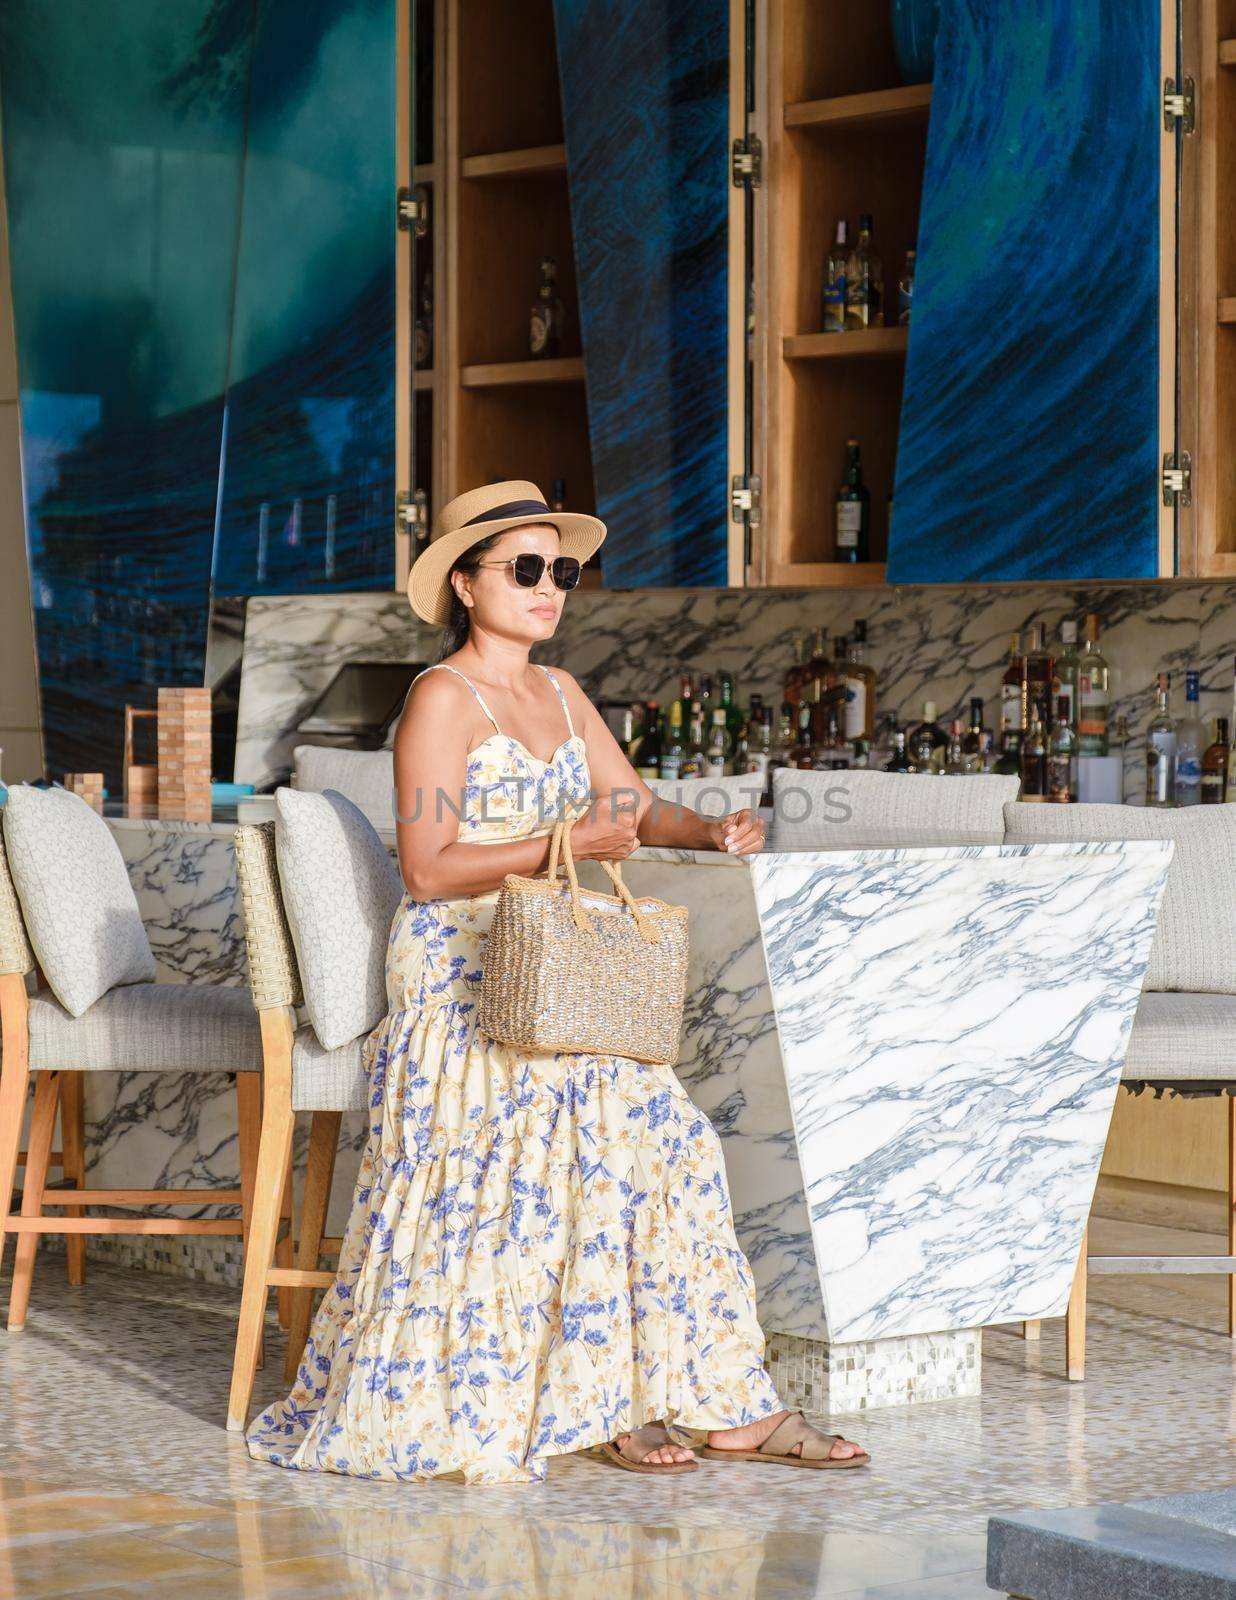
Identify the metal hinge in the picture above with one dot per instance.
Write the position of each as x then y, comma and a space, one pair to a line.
411, 213
745, 500
746, 162
1178, 479
1179, 107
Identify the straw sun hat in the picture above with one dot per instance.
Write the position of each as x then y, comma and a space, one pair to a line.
474, 516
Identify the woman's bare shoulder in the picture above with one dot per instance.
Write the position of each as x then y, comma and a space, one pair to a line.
434, 700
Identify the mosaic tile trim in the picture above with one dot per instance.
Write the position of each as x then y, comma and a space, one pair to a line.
870, 1373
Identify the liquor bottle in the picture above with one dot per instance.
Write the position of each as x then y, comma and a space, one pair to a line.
557, 500
646, 758
423, 326
1062, 755
1039, 670
834, 282
905, 290
1191, 742
674, 748
1010, 690
800, 754
853, 510
821, 672
1034, 758
860, 684
791, 684
733, 715
864, 281
831, 752
692, 763
1161, 749
1118, 745
783, 744
1008, 762
545, 328
977, 742
955, 763
899, 761
717, 750
1227, 795
1093, 680
1215, 765
1068, 670
928, 741
758, 744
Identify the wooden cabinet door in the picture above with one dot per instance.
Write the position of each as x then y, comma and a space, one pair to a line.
1033, 413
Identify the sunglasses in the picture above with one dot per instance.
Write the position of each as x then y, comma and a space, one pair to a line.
530, 567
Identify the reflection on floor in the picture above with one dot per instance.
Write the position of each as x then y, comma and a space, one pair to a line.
117, 1479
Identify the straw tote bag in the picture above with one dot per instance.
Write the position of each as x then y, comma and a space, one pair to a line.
607, 977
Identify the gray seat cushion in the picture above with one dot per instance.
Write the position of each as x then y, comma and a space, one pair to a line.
328, 1080
149, 1027
1183, 1036
1194, 948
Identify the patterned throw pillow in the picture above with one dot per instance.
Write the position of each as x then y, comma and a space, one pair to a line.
341, 889
76, 900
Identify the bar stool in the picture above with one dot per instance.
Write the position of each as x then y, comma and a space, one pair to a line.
69, 915
319, 891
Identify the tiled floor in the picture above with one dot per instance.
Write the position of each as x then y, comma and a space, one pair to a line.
118, 1480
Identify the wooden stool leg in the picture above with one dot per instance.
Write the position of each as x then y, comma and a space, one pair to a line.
1231, 1211
248, 1135
42, 1126
284, 1248
274, 1153
73, 1149
14, 1086
320, 1170
1075, 1319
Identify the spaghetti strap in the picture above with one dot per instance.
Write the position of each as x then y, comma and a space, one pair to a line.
479, 697
562, 697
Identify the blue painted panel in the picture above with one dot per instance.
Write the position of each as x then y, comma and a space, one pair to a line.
199, 256
645, 107
1029, 425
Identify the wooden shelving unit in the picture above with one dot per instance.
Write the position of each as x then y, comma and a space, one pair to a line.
509, 415
845, 136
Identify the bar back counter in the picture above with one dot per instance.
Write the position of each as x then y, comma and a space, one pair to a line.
911, 1055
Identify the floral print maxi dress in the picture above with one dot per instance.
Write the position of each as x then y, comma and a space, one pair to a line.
540, 1252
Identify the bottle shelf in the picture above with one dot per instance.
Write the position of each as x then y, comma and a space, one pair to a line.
1227, 308
425, 172
422, 378
1227, 52
912, 100
860, 342
825, 574
543, 161
511, 374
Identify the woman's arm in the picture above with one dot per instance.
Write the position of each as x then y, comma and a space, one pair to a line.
431, 759
658, 821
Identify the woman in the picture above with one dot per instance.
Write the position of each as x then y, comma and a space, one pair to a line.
540, 1255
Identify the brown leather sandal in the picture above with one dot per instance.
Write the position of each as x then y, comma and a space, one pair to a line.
792, 1430
652, 1436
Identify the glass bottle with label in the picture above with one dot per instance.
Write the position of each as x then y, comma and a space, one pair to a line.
834, 282
1062, 755
864, 281
1039, 670
783, 743
1008, 762
955, 763
692, 764
1215, 765
899, 761
1191, 742
860, 685
1034, 757
905, 290
1068, 669
853, 510
717, 750
801, 755
545, 327
646, 758
1161, 749
928, 741
1092, 694
831, 751
977, 741
1010, 691
674, 747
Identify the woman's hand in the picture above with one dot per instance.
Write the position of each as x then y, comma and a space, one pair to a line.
607, 832
739, 834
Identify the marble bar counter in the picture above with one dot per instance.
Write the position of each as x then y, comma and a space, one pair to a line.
911, 1057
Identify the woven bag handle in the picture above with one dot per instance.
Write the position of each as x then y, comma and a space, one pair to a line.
562, 838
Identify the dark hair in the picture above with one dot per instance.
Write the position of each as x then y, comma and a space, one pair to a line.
458, 625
